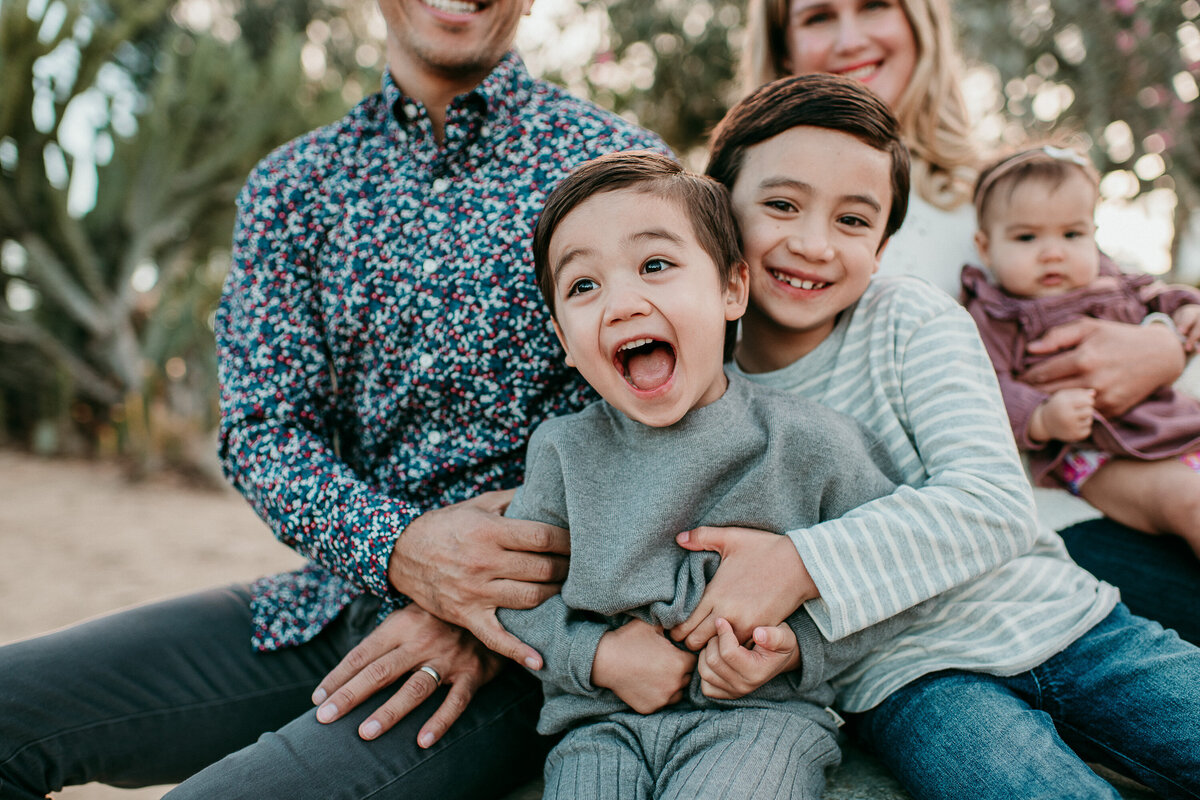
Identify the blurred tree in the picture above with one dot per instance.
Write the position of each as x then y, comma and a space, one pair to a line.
126, 129
1123, 73
669, 65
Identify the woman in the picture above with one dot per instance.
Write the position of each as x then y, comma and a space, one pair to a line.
905, 51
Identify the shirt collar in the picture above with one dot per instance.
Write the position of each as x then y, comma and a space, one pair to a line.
507, 87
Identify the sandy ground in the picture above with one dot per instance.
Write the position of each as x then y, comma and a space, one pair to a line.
78, 539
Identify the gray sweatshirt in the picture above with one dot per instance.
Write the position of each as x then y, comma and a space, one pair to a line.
755, 458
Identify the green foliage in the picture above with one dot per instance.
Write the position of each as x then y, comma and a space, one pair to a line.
1120, 61
110, 342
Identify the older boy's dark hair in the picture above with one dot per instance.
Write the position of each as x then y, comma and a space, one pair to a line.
819, 101
704, 202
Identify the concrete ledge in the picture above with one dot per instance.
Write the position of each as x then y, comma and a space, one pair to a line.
861, 777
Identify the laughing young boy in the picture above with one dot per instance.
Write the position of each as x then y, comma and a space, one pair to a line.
1027, 664
639, 263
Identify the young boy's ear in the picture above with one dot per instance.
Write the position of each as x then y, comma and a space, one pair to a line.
561, 340
737, 293
981, 244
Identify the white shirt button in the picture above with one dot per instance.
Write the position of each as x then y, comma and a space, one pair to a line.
435, 437
410, 110
429, 266
441, 185
426, 361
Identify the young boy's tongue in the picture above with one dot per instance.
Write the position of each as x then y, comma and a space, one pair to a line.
649, 367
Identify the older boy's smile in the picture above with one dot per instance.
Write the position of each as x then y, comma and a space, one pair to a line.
639, 305
796, 282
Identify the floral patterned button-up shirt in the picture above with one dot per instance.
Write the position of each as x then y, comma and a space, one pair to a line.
383, 347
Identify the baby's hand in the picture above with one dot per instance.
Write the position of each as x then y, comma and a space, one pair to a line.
729, 671
1066, 416
641, 666
761, 580
1187, 322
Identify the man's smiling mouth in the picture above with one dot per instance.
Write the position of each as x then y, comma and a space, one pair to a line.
646, 364
453, 6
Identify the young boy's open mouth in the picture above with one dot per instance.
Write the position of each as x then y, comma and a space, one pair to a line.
647, 364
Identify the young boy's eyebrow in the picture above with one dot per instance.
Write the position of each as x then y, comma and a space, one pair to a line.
651, 233
805, 188
567, 258
657, 233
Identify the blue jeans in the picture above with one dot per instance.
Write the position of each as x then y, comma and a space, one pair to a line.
1126, 695
173, 693
1159, 576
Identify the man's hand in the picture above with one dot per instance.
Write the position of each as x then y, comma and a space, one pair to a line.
462, 562
729, 671
1124, 363
639, 664
405, 641
766, 561
1065, 417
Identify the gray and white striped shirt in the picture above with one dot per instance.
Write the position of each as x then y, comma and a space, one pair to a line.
907, 362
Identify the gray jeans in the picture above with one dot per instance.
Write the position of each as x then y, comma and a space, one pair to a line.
173, 693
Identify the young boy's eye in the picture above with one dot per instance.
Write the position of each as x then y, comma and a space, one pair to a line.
780, 205
580, 286
854, 221
1024, 237
655, 265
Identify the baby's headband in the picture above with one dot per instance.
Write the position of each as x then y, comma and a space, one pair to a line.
1016, 160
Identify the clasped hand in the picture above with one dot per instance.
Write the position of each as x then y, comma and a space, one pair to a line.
648, 672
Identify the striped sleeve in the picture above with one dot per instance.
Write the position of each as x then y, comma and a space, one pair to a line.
966, 506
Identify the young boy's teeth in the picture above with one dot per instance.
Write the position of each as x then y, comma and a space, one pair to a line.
634, 344
453, 6
797, 283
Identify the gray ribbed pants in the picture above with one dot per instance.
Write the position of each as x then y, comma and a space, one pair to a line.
751, 753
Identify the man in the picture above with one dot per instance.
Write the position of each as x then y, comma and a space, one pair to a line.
384, 355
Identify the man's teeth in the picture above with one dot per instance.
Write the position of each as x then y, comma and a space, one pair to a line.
453, 6
861, 73
634, 344
796, 282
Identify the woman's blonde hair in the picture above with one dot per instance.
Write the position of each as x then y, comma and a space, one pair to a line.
932, 111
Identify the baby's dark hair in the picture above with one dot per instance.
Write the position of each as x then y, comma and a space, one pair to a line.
1048, 163
819, 101
704, 201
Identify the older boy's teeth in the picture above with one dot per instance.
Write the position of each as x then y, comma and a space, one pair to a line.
861, 73
453, 6
634, 344
797, 283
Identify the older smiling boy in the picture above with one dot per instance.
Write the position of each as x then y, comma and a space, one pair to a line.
1027, 665
639, 263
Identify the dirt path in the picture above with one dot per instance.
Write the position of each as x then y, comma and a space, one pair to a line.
79, 540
